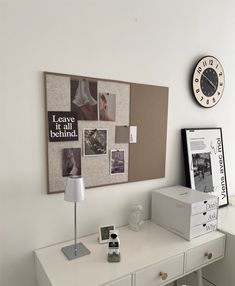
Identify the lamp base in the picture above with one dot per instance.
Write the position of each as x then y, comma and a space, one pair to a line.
69, 251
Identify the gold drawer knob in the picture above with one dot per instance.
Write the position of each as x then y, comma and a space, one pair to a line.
208, 255
163, 275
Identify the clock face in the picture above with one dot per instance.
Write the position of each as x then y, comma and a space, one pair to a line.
208, 81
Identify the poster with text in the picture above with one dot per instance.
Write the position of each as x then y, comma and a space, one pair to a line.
62, 126
204, 158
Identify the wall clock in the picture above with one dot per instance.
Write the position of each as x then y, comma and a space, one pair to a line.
208, 81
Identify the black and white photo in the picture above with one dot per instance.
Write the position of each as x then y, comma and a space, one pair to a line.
202, 172
71, 163
107, 106
117, 162
95, 141
84, 99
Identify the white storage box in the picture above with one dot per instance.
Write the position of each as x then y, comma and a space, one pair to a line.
186, 212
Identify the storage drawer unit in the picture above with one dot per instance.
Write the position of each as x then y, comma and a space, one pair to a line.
180, 209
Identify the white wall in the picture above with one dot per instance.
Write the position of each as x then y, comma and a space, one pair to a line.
154, 42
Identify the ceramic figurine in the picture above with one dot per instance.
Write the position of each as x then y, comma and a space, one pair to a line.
114, 247
135, 217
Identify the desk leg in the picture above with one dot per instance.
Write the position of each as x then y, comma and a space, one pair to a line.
199, 277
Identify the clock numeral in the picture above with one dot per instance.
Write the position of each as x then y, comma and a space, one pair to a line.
213, 100
207, 101
197, 90
201, 98
199, 70
218, 93
221, 84
211, 62
196, 80
216, 66
204, 63
220, 73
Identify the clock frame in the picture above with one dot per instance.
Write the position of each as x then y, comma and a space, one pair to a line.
208, 81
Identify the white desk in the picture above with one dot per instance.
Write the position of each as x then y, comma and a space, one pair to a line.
222, 273
144, 255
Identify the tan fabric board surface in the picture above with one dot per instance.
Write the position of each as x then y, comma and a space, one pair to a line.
149, 105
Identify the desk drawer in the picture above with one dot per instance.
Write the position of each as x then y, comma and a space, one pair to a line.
121, 282
202, 255
161, 272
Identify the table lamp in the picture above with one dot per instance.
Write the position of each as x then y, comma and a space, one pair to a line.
75, 192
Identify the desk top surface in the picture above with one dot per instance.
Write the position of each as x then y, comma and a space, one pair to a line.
138, 250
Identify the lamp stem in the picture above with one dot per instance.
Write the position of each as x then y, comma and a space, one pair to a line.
75, 229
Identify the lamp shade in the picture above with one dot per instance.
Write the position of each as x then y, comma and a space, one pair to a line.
75, 190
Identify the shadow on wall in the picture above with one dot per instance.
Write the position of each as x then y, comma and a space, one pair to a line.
232, 201
18, 268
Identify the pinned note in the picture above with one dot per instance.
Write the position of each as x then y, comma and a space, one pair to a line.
133, 134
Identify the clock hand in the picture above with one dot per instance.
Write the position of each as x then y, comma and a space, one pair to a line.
209, 81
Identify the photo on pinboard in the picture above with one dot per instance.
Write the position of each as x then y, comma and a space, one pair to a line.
107, 106
84, 98
117, 162
71, 162
95, 142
